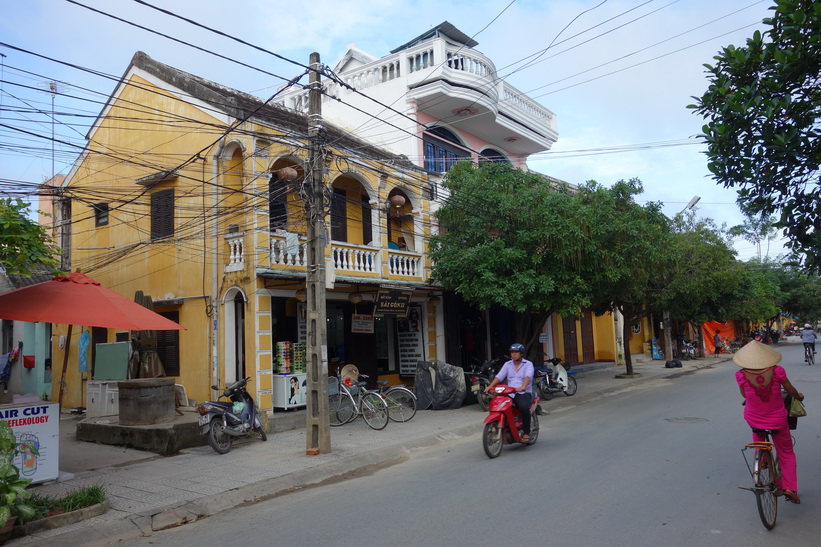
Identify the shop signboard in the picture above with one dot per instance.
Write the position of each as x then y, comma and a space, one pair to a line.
362, 324
409, 333
392, 302
37, 424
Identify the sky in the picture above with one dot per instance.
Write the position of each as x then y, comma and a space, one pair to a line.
618, 74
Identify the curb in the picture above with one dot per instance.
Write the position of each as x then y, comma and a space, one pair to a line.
56, 521
171, 516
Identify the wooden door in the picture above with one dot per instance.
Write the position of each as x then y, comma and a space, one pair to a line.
571, 347
588, 346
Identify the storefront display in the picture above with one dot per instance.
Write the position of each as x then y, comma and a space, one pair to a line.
37, 425
290, 390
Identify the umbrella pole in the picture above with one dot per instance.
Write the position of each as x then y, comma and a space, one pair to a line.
65, 367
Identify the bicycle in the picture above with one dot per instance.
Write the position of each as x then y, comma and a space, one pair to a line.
809, 355
766, 473
347, 402
401, 401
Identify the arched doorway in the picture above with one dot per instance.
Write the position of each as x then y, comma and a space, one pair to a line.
234, 361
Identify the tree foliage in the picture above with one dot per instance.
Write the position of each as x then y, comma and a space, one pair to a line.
24, 244
511, 238
762, 109
705, 278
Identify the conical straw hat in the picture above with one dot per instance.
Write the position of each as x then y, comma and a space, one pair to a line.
756, 356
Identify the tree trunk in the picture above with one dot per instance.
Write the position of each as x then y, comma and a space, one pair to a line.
528, 328
628, 358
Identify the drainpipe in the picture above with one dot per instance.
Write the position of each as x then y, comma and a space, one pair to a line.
215, 303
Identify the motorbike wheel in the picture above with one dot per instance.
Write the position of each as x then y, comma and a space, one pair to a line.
492, 440
482, 398
571, 386
534, 428
262, 434
544, 389
219, 440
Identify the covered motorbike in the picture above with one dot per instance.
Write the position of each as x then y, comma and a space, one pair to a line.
503, 424
222, 421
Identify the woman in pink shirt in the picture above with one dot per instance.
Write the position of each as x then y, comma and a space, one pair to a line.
760, 380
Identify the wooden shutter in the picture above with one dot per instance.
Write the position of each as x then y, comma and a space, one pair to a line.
168, 345
162, 214
339, 217
367, 225
277, 207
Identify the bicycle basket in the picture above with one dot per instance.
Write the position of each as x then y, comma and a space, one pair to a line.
333, 386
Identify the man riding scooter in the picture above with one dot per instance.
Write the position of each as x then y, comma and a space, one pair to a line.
518, 374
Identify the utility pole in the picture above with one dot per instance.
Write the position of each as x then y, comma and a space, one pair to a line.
318, 431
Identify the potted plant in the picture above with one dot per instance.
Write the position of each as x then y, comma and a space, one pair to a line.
13, 494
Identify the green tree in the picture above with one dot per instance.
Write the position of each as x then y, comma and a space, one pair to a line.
510, 238
24, 244
704, 278
757, 229
628, 246
762, 109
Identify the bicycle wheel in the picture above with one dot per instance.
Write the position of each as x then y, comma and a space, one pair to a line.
340, 409
571, 386
809, 356
765, 492
374, 411
401, 404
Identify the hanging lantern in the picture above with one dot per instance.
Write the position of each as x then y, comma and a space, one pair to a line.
397, 200
287, 173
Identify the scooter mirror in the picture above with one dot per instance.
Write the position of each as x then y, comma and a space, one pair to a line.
215, 388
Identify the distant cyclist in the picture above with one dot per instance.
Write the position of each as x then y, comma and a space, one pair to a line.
808, 337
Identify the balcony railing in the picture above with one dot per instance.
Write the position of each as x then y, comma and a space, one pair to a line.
350, 259
405, 264
236, 252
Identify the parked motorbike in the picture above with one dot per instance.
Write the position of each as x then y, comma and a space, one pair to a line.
222, 421
478, 378
688, 350
556, 380
503, 424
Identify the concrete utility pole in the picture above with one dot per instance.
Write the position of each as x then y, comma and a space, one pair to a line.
318, 431
667, 324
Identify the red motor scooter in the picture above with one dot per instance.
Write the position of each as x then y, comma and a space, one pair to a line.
504, 422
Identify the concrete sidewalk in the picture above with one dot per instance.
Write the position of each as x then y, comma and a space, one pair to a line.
148, 493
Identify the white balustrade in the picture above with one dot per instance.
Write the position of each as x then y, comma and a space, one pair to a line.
354, 259
282, 256
404, 264
236, 252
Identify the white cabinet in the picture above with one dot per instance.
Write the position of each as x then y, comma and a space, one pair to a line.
102, 398
290, 390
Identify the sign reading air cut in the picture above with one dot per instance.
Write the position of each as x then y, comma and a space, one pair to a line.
392, 302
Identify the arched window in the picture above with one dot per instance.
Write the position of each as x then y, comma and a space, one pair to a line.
442, 149
489, 154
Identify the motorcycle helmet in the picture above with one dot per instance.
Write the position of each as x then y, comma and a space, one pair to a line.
517, 347
807, 326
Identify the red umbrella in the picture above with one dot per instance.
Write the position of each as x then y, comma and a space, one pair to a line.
76, 299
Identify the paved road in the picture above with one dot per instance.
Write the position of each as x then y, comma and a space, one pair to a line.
656, 464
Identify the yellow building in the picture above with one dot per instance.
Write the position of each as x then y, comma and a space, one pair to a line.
184, 193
